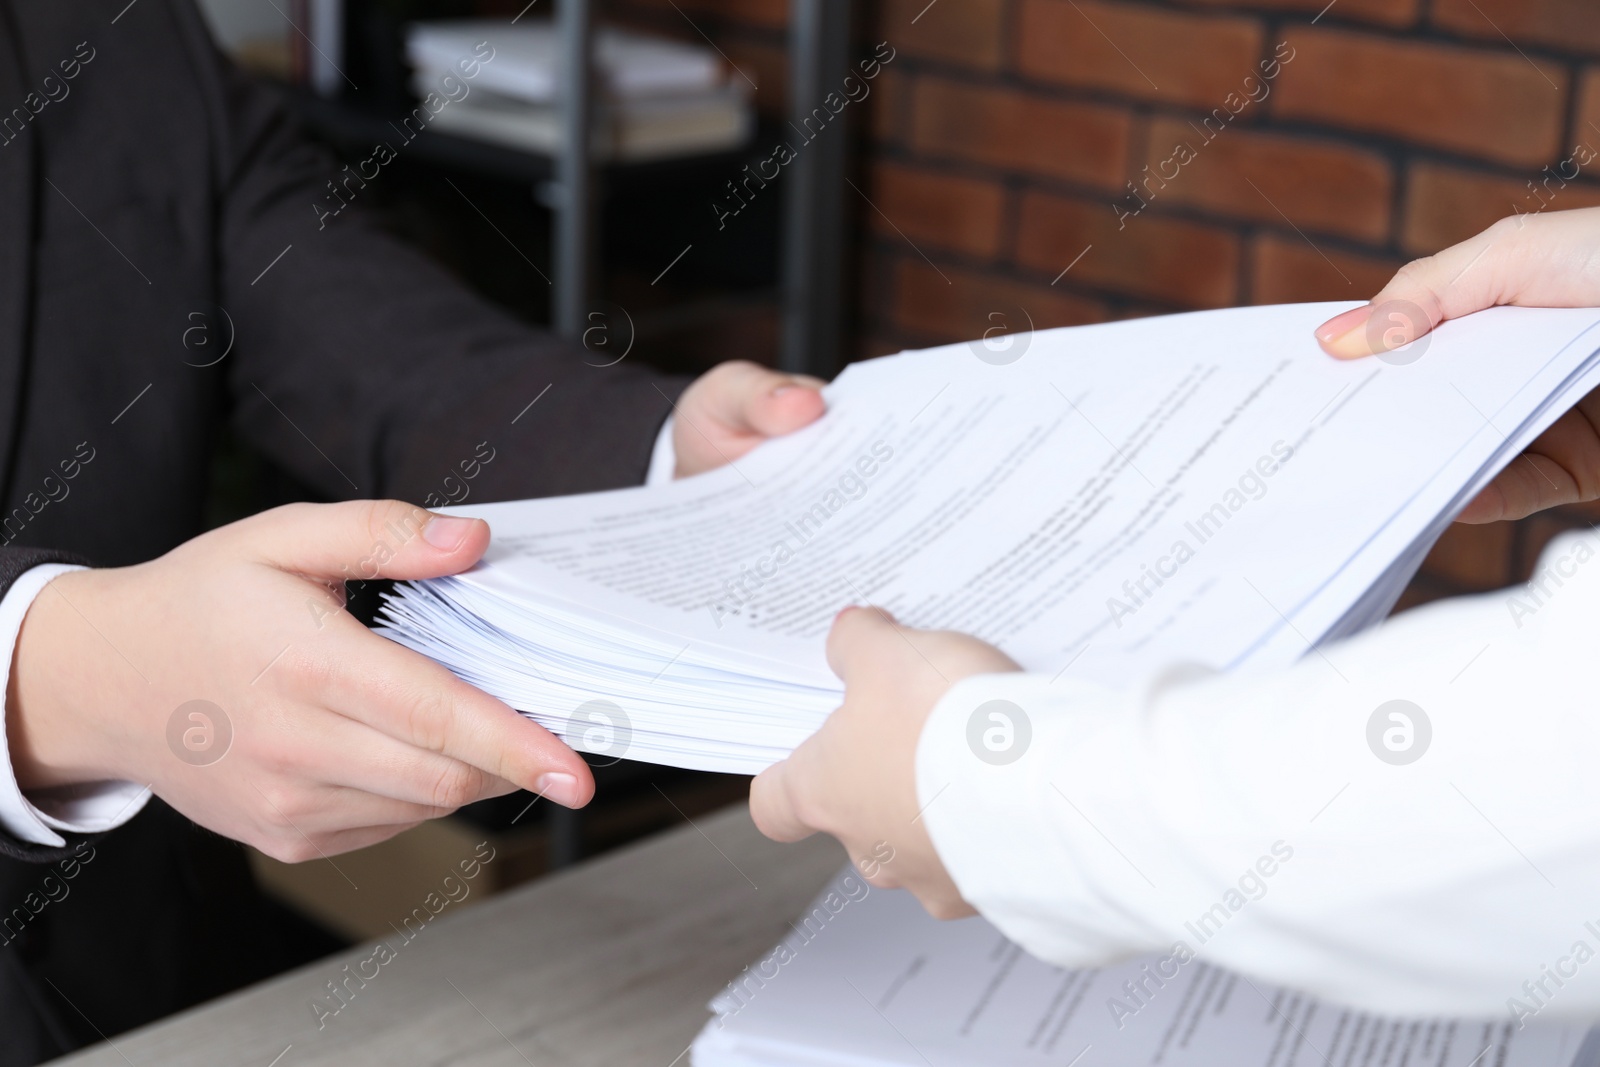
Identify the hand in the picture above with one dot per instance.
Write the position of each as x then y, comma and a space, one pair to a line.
856, 777
735, 406
1544, 260
339, 738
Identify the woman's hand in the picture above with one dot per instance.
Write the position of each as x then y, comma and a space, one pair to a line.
1543, 260
735, 406
318, 736
856, 777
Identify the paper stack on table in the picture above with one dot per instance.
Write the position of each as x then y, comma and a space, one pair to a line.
866, 978
656, 97
1206, 487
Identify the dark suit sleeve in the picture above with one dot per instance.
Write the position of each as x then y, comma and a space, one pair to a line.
367, 370
14, 562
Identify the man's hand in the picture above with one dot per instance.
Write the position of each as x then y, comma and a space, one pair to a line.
1544, 260
856, 777
735, 406
339, 737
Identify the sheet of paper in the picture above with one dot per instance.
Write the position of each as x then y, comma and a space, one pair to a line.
1208, 488
866, 978
1132, 518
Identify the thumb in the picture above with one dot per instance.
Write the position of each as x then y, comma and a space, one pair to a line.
751, 399
365, 539
1462, 279
773, 805
862, 638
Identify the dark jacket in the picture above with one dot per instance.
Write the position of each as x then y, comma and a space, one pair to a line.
154, 207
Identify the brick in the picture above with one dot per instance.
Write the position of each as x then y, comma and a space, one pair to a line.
1286, 270
1021, 131
1566, 24
1491, 104
887, 106
1445, 205
1318, 184
1393, 13
1586, 124
970, 33
948, 304
1473, 557
1184, 263
937, 210
1147, 52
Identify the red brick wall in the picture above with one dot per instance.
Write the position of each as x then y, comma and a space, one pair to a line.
1283, 149
1343, 139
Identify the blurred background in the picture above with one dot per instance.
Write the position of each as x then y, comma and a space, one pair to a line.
1012, 162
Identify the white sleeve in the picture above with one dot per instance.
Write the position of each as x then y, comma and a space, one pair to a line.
1271, 824
90, 808
663, 457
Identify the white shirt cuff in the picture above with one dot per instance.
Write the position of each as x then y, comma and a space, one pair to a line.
1004, 827
663, 457
90, 807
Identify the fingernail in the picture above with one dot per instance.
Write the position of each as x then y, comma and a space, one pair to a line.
446, 532
560, 788
844, 611
1345, 336
786, 388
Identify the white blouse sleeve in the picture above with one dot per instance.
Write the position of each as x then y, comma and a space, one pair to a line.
1408, 822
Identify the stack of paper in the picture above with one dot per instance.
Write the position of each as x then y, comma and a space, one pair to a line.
865, 978
1209, 488
656, 97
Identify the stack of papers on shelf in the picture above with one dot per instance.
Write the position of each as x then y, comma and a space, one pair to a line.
528, 61
866, 978
1102, 500
655, 97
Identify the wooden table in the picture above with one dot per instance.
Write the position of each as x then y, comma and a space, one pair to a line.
608, 964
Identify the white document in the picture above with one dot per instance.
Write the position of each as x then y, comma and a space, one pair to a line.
633, 128
527, 60
866, 978
1208, 488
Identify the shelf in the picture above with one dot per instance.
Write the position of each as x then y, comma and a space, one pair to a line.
356, 128
571, 184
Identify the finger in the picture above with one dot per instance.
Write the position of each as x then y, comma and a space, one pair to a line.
1531, 483
1488, 506
1562, 466
314, 810
749, 399
1463, 278
341, 752
364, 539
772, 805
861, 638
409, 697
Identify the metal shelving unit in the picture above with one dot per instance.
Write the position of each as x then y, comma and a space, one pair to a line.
570, 184
813, 228
574, 238
814, 218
